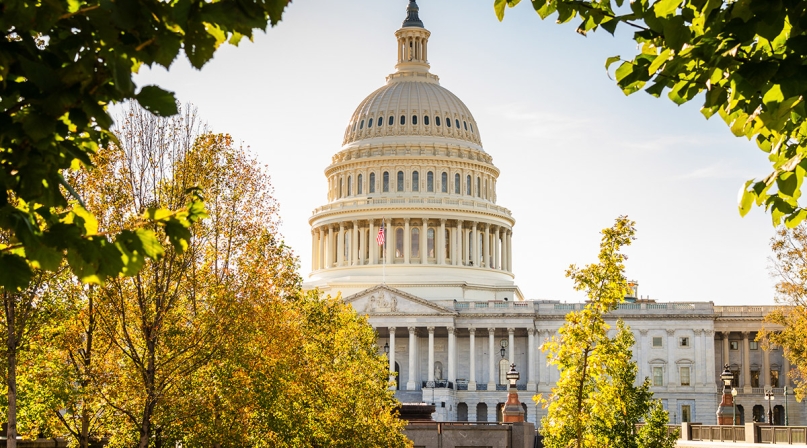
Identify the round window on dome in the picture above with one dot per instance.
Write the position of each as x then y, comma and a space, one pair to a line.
369, 123
457, 122
403, 120
437, 121
361, 126
448, 122
380, 121
426, 120
391, 121
414, 119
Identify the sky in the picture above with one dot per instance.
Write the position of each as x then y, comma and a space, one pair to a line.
573, 150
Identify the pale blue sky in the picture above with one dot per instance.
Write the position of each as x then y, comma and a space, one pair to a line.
574, 152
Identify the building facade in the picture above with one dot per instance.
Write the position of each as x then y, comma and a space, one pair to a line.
412, 235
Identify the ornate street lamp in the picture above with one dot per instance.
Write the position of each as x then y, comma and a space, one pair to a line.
386, 348
512, 412
769, 398
728, 399
734, 402
513, 376
503, 350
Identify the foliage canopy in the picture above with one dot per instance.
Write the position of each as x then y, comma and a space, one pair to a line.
746, 58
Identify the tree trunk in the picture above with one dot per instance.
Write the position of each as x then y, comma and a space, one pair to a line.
11, 358
148, 409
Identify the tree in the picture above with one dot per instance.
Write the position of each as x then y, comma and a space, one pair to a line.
61, 65
789, 322
596, 402
745, 57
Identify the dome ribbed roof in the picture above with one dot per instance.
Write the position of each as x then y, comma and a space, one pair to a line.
421, 103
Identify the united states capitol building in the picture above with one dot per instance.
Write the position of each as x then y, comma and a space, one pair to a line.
440, 290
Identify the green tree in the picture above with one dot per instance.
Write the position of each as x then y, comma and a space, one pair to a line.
596, 402
788, 324
745, 56
61, 64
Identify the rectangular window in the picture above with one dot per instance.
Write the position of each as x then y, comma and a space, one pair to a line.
683, 342
755, 378
684, 372
686, 413
385, 182
734, 345
430, 182
774, 378
657, 341
753, 345
658, 376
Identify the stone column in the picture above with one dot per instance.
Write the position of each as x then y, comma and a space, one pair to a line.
340, 245
491, 356
463, 244
497, 264
440, 248
407, 245
504, 249
363, 253
392, 356
430, 370
322, 252
329, 249
314, 247
509, 251
390, 258
459, 257
486, 248
475, 246
511, 355
424, 238
709, 361
530, 359
726, 348
472, 360
699, 368
766, 367
354, 244
452, 354
746, 364
643, 372
785, 371
672, 370
410, 383
372, 244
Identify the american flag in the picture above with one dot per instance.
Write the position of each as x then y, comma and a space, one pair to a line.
380, 236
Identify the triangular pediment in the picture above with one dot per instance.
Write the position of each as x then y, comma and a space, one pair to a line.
386, 300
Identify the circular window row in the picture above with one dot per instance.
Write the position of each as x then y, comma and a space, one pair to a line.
414, 120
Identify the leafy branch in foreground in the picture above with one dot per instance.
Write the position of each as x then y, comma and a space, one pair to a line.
745, 57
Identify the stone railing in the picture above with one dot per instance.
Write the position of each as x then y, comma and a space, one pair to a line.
469, 204
496, 306
714, 433
785, 435
744, 311
633, 308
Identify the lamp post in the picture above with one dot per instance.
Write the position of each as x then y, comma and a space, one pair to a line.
503, 350
769, 398
786, 419
386, 348
512, 412
734, 402
728, 399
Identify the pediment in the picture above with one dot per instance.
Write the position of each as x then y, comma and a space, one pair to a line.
386, 300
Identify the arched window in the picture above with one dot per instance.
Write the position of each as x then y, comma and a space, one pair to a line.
430, 243
478, 187
444, 182
462, 412
448, 122
400, 181
391, 120
385, 187
399, 241
426, 120
371, 188
359, 186
504, 367
437, 121
468, 190
430, 182
380, 121
369, 123
481, 412
361, 126
465, 125
340, 188
403, 119
414, 119
457, 122
457, 183
349, 186
415, 181
415, 247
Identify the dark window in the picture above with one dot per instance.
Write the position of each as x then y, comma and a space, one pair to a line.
414, 119
391, 120
370, 123
472, 127
371, 188
415, 181
437, 121
359, 186
400, 180
430, 182
457, 122
478, 187
465, 124
448, 122
426, 120
349, 186
361, 126
457, 183
468, 185
340, 188
403, 119
444, 182
380, 121
386, 182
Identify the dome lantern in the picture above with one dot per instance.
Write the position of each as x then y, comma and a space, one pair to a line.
413, 41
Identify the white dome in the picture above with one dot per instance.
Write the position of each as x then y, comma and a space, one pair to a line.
419, 102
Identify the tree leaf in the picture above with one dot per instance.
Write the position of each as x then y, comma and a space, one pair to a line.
498, 6
15, 274
158, 101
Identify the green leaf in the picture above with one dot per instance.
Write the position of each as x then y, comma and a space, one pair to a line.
659, 61
747, 197
793, 219
787, 183
15, 274
498, 6
158, 101
773, 95
610, 61
664, 8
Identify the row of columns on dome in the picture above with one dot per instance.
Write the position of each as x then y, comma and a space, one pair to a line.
497, 365
406, 242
